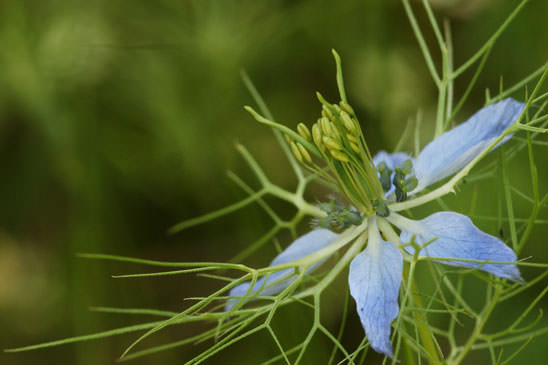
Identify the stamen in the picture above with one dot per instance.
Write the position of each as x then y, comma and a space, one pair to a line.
296, 151
335, 132
338, 155
288, 139
326, 126
341, 145
317, 136
327, 113
331, 143
303, 131
304, 153
347, 108
351, 138
347, 122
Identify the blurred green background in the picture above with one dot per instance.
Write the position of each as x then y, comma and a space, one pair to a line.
118, 119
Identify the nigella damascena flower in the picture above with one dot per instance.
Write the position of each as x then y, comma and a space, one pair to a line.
376, 188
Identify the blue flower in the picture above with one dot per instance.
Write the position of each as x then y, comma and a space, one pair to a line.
375, 274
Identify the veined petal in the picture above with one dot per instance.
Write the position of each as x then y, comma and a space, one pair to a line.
272, 284
374, 279
453, 150
392, 160
457, 237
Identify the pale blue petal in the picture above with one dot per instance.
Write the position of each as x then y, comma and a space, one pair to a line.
453, 150
270, 285
305, 245
458, 237
374, 280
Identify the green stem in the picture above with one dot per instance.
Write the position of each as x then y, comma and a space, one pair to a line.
427, 337
480, 323
422, 42
297, 200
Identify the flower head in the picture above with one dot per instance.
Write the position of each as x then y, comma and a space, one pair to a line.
380, 186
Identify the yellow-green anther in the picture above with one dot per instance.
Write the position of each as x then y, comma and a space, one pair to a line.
338, 155
288, 139
304, 152
347, 108
296, 152
326, 126
335, 131
331, 143
352, 138
327, 113
348, 123
317, 135
303, 131
337, 135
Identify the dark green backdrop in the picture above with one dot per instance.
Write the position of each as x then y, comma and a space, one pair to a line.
118, 119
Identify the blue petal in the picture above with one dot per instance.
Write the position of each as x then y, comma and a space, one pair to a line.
275, 283
374, 280
305, 245
392, 160
458, 237
454, 149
